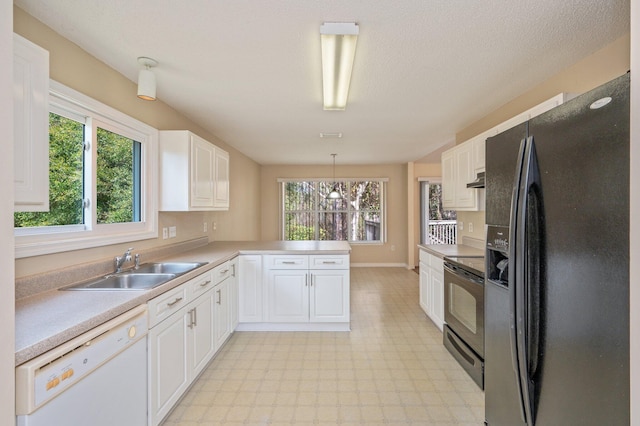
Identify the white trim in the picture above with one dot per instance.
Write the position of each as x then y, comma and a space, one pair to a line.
330, 179
434, 179
380, 265
293, 326
30, 242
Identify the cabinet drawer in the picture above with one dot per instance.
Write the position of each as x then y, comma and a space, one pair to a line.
329, 261
425, 257
166, 304
437, 264
221, 272
286, 261
199, 285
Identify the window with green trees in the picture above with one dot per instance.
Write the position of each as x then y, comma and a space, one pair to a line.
117, 177
102, 179
308, 214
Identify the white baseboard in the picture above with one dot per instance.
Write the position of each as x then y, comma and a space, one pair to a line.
272, 326
379, 265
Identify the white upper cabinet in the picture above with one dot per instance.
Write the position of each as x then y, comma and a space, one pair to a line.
194, 174
30, 125
462, 163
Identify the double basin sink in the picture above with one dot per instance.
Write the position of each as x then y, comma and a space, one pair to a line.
144, 277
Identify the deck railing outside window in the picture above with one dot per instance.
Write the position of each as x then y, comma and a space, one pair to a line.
443, 232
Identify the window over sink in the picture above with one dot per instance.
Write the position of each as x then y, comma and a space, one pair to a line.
102, 186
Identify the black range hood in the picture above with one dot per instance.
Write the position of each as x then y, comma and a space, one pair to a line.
478, 183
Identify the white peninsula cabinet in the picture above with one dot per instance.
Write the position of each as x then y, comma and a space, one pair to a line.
194, 174
294, 292
432, 287
188, 325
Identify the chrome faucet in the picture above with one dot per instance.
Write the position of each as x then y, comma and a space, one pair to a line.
120, 260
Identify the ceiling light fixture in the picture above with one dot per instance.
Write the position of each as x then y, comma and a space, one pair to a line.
334, 194
147, 79
338, 43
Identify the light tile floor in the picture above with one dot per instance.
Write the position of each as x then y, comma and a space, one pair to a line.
390, 369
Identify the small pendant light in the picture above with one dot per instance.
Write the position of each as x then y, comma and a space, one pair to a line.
334, 194
147, 79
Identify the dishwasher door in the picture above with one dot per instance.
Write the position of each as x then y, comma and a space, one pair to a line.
113, 391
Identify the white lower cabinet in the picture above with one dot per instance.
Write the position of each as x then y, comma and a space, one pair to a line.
188, 325
288, 293
432, 287
234, 281
329, 295
250, 302
222, 306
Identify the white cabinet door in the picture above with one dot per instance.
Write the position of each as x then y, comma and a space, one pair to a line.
222, 315
329, 295
201, 329
288, 295
465, 197
449, 179
221, 192
202, 173
30, 125
169, 373
437, 292
250, 300
425, 288
233, 294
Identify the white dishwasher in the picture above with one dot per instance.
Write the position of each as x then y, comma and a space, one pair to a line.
98, 378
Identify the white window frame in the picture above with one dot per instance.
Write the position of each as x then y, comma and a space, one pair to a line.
383, 201
46, 240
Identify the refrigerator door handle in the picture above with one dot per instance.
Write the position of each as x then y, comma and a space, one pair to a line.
515, 274
527, 279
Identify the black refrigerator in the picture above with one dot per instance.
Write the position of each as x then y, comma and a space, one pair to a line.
557, 272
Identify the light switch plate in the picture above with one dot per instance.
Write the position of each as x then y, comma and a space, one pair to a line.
172, 232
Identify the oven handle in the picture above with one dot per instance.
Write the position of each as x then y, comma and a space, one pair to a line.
459, 272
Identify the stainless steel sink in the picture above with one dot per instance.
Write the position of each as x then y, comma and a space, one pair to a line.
144, 277
177, 268
124, 281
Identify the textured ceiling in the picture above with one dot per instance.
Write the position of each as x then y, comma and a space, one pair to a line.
249, 70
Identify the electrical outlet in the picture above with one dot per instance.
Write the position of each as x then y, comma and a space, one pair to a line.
172, 232
393, 247
470, 226
165, 233
460, 225
204, 228
215, 226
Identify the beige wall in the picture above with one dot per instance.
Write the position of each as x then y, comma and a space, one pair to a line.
7, 293
393, 252
604, 65
72, 66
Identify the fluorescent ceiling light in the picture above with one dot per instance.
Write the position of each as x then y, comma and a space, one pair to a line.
338, 41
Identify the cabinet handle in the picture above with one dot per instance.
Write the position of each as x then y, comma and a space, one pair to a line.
190, 325
224, 272
312, 276
219, 296
176, 300
329, 262
195, 317
288, 262
206, 283
233, 268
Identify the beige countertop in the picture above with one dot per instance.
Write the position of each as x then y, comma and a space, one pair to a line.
52, 317
448, 250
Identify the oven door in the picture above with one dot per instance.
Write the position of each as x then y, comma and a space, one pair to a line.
464, 306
